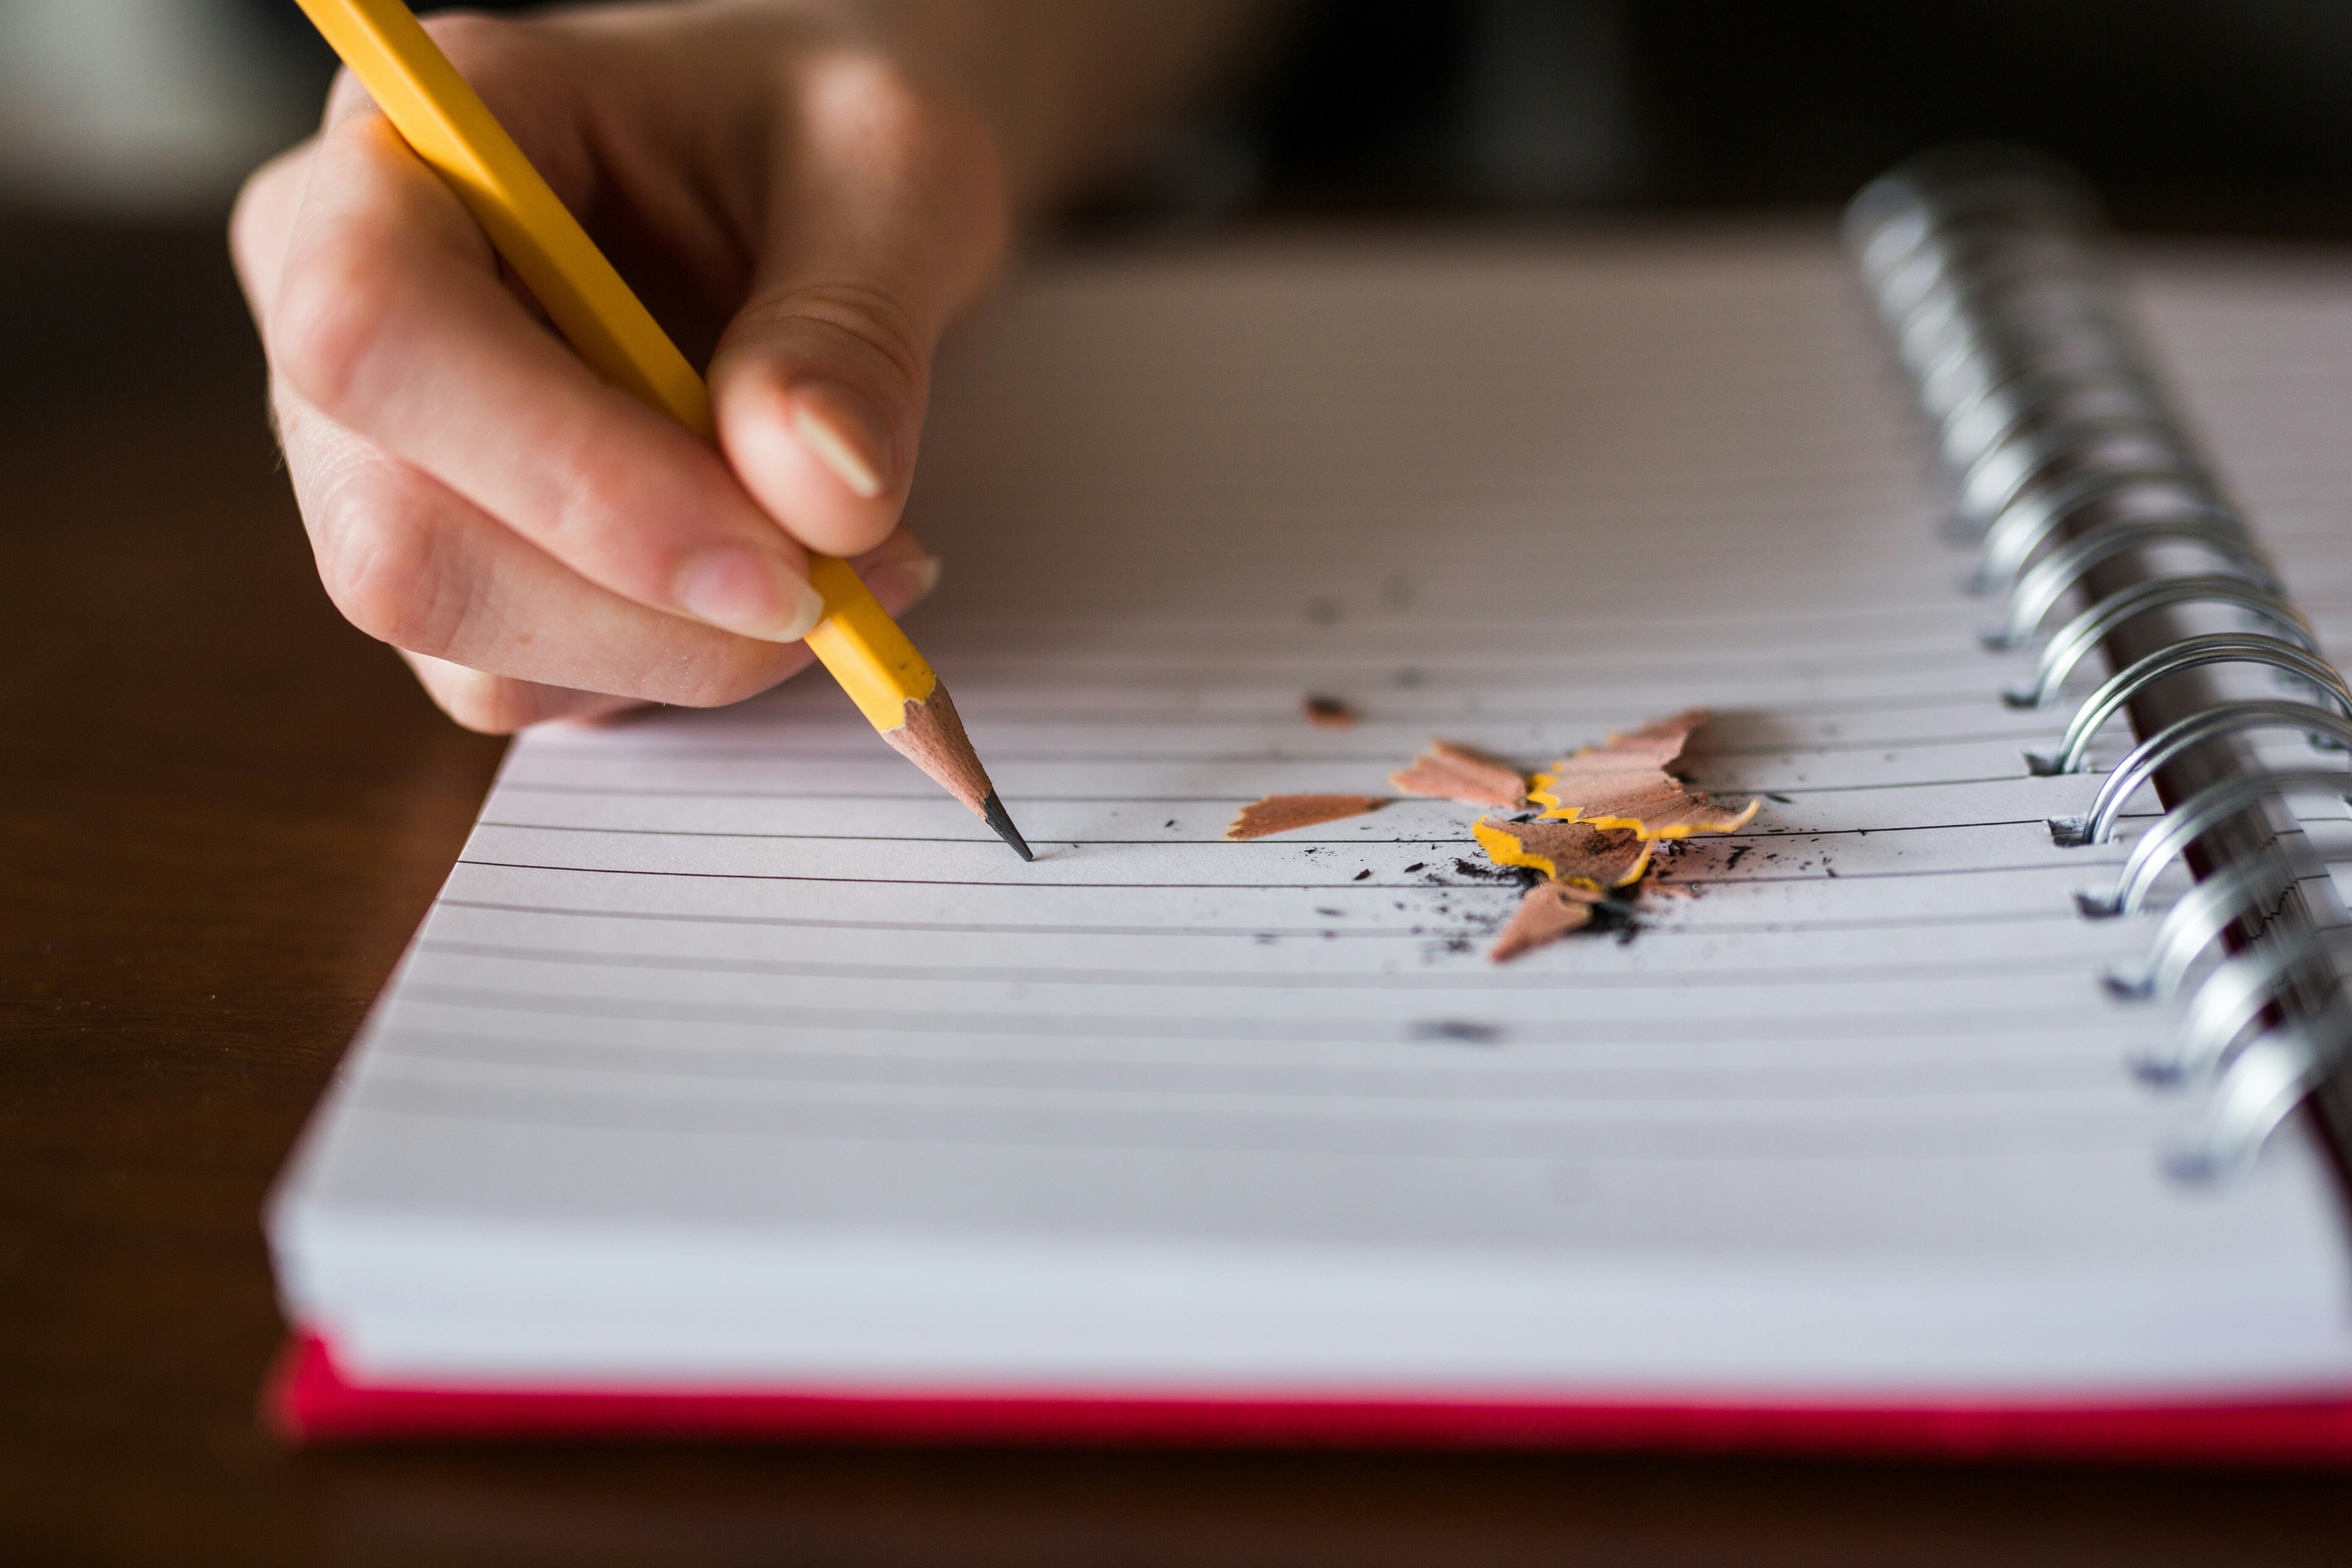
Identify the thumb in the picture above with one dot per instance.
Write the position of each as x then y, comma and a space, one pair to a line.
886, 217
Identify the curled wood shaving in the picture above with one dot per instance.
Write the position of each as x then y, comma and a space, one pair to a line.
1606, 808
1282, 812
1550, 910
1624, 783
1445, 771
1574, 852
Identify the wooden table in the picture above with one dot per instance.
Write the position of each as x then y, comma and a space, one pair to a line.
222, 812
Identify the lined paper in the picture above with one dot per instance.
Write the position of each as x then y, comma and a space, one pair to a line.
733, 1053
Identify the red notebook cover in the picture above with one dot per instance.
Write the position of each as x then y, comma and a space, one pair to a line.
310, 1399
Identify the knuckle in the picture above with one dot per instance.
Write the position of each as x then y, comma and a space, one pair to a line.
906, 134
521, 69
871, 316
927, 165
880, 106
593, 491
263, 193
475, 42
331, 308
385, 567
874, 94
344, 95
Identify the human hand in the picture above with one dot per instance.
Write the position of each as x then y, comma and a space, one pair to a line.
537, 544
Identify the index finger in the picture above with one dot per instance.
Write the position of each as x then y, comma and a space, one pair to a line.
390, 315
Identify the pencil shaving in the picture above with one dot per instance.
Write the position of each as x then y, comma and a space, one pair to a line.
1550, 911
1574, 852
1607, 809
1667, 811
1624, 783
1283, 812
1445, 771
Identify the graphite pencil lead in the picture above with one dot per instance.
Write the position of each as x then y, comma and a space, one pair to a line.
992, 811
932, 738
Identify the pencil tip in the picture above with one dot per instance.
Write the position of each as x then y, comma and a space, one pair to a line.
992, 811
932, 738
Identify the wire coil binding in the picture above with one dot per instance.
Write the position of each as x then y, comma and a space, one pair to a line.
2062, 454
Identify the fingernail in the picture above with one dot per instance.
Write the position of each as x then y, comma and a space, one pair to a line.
739, 589
900, 583
840, 430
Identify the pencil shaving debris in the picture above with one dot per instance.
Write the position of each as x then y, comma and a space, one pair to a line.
1329, 713
1550, 911
1624, 783
1445, 771
1607, 809
1282, 812
1572, 852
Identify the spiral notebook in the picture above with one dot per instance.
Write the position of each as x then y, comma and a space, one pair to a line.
737, 1084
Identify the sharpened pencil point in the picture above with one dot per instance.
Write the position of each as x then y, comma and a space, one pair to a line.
932, 738
992, 811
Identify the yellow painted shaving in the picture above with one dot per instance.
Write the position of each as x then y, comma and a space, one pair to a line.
1505, 848
1540, 793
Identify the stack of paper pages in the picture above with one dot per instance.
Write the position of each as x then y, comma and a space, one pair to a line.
740, 1079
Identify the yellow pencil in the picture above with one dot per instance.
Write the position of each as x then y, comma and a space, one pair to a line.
453, 130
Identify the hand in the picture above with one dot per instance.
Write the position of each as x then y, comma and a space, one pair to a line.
537, 544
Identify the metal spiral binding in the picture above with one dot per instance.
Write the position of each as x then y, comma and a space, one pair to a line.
2043, 585
2063, 459
2213, 647
2195, 921
2027, 525
2082, 636
2153, 853
2234, 997
2269, 1078
2176, 739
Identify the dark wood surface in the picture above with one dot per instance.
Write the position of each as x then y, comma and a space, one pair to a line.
221, 814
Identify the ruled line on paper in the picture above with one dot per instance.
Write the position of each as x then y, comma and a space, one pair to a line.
910, 1053
1005, 755
2044, 912
1285, 842
1815, 666
1283, 718
1389, 715
1320, 886
1359, 981
1868, 1133
1321, 1029
1849, 1062
534, 786
1517, 1087
2046, 729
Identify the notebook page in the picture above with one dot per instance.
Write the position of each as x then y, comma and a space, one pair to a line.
732, 1052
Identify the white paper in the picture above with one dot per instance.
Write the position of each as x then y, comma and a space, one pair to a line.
734, 1054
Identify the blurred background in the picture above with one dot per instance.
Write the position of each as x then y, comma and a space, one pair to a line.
2228, 115
147, 108
125, 126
